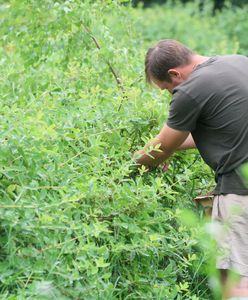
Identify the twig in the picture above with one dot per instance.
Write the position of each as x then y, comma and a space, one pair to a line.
112, 70
58, 245
107, 218
18, 206
28, 280
71, 158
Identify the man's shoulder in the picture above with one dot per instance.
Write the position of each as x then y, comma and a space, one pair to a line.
210, 77
196, 85
229, 60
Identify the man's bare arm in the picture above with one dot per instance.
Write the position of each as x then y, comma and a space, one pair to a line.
166, 143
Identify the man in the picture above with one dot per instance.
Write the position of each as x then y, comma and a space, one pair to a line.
209, 111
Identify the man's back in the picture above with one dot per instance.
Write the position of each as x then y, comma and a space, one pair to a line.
213, 104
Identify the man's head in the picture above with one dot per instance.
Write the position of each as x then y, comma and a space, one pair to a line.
166, 62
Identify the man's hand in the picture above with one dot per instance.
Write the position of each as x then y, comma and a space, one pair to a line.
162, 147
164, 167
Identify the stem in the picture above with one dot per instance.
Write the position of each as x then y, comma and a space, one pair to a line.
112, 70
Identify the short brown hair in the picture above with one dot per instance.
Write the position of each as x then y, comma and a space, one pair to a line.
167, 54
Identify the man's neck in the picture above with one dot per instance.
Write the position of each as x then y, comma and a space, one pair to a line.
196, 60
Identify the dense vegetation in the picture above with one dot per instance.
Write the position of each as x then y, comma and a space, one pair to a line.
78, 221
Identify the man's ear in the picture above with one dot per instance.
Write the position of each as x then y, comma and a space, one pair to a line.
174, 73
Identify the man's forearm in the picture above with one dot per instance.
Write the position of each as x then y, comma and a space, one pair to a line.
156, 157
162, 147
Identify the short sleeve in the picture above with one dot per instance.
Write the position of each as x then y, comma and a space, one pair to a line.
184, 112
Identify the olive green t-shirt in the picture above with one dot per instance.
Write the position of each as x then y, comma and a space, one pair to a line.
213, 105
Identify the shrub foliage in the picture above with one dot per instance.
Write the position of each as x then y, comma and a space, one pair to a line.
78, 220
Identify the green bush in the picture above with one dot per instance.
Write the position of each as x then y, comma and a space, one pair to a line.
77, 220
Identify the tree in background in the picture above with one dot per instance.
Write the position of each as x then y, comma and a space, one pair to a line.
218, 5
